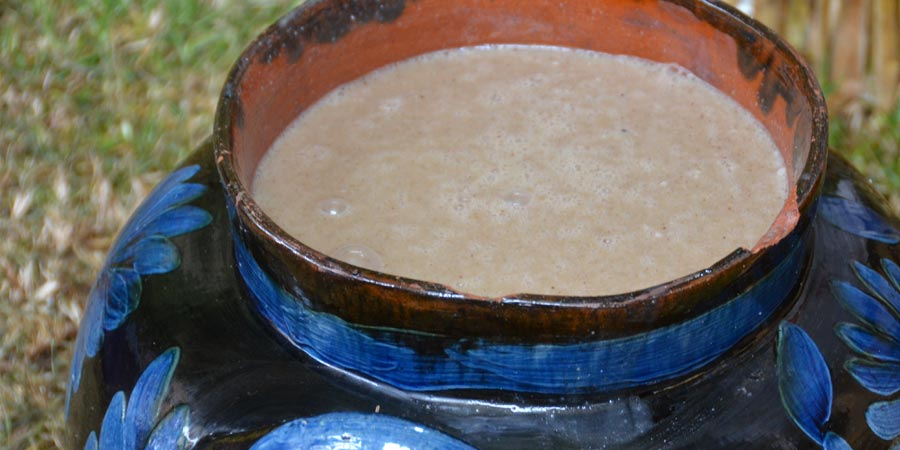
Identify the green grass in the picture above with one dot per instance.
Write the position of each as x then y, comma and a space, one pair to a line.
100, 98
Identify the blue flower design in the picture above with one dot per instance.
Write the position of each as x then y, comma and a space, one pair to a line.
855, 218
804, 383
876, 340
356, 431
133, 424
143, 248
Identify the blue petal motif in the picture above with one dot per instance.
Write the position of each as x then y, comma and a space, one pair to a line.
91, 443
835, 442
880, 378
892, 270
803, 381
884, 419
878, 285
172, 431
862, 341
154, 255
142, 248
93, 314
177, 221
852, 217
122, 298
354, 431
878, 341
127, 425
112, 431
146, 397
866, 308
165, 196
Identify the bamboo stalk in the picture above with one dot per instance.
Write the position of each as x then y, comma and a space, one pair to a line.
853, 44
849, 51
885, 56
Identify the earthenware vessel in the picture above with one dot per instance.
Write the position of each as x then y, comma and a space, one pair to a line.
210, 327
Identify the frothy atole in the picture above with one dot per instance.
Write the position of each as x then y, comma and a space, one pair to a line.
518, 169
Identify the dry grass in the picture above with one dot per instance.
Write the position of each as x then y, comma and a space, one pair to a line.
99, 98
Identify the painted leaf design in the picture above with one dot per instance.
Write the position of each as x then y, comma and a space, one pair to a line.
172, 431
88, 341
91, 442
803, 381
122, 298
127, 424
112, 430
356, 431
163, 197
861, 340
879, 377
866, 308
142, 248
852, 217
177, 221
146, 398
892, 270
878, 285
155, 255
835, 442
884, 419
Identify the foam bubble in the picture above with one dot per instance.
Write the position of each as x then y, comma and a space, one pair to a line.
333, 207
517, 198
359, 255
391, 104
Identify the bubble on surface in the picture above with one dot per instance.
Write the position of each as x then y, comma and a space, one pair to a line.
391, 104
517, 198
359, 255
333, 207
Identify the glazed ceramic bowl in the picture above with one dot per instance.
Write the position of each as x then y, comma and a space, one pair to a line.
325, 44
210, 327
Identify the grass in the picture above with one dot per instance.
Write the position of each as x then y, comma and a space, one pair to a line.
99, 99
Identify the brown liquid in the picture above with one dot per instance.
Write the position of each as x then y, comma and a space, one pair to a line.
506, 169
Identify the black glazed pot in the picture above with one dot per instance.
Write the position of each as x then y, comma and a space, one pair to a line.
210, 327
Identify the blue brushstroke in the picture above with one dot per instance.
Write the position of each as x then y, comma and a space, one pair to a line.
884, 419
863, 341
892, 271
835, 442
868, 309
878, 377
91, 443
127, 424
876, 340
855, 218
172, 431
803, 381
879, 286
355, 431
594, 366
146, 397
112, 430
142, 248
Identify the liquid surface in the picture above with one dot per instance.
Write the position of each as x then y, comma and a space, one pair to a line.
518, 169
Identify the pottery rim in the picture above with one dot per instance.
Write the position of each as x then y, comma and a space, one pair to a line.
338, 29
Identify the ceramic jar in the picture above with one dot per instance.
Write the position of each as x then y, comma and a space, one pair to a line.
209, 327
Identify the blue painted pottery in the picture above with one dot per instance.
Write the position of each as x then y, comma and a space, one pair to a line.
211, 328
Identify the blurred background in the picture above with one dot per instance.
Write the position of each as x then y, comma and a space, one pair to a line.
100, 98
